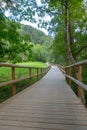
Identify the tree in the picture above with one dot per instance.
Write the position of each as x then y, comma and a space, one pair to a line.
16, 42
38, 53
67, 14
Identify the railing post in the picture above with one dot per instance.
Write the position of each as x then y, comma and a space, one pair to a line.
37, 73
45, 71
41, 72
80, 90
66, 73
30, 74
13, 78
70, 82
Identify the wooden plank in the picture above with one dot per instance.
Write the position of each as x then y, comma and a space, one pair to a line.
44, 120
50, 126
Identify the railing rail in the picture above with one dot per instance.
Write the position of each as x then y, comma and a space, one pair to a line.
77, 78
77, 64
39, 72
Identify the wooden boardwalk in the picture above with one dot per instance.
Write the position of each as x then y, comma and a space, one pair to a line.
49, 104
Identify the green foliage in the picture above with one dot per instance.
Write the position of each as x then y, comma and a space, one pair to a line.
9, 38
39, 43
38, 53
5, 93
58, 49
77, 29
18, 42
56, 9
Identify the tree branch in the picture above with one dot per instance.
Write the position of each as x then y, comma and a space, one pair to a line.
81, 49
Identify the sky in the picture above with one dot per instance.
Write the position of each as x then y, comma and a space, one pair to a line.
35, 25
38, 2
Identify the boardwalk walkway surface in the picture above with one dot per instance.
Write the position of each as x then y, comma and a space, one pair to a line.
49, 104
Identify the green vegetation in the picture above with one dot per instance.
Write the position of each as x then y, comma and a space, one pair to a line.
21, 43
68, 24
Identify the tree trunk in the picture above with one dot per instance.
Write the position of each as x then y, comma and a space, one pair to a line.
67, 34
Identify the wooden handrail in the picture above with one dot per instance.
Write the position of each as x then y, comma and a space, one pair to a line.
77, 64
13, 82
77, 67
83, 86
18, 80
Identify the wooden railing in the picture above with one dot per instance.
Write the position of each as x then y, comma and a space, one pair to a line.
39, 73
74, 73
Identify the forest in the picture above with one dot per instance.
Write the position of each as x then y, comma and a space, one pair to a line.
68, 25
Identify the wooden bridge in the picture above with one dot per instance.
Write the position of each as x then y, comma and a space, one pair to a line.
49, 104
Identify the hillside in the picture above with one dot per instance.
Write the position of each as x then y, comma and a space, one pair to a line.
36, 36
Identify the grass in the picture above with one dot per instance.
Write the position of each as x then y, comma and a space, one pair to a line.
5, 75
33, 64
